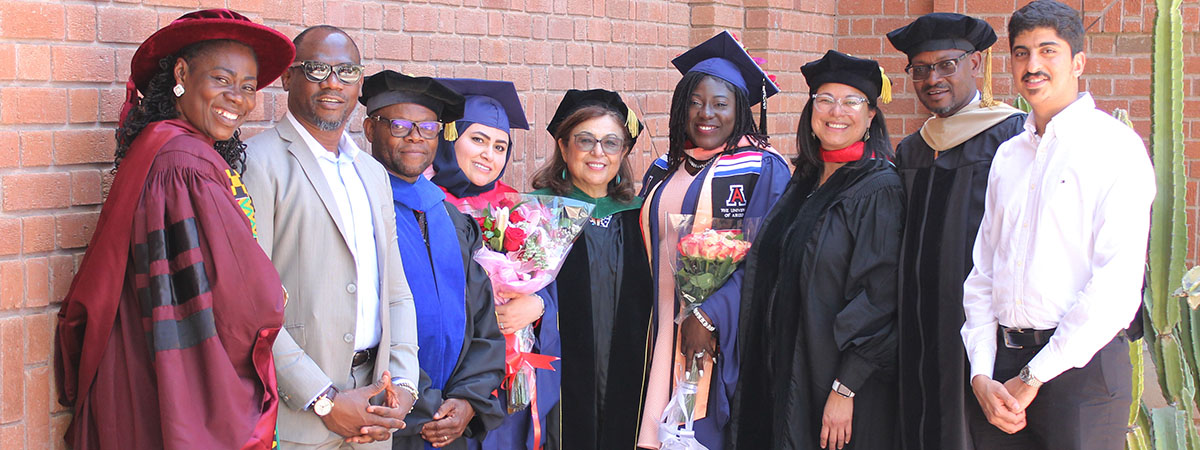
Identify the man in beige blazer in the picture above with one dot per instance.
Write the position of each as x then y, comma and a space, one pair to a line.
324, 215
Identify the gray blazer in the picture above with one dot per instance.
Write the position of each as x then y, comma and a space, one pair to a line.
301, 230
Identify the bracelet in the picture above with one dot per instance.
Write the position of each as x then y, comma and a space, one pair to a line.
703, 322
408, 387
540, 299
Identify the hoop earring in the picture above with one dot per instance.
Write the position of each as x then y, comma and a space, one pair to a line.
178, 90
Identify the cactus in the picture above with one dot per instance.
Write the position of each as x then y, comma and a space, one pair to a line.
1174, 334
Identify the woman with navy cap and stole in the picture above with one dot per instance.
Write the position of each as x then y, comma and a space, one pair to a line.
604, 283
718, 167
818, 336
472, 154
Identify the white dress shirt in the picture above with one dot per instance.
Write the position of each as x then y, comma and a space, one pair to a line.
355, 210
1063, 239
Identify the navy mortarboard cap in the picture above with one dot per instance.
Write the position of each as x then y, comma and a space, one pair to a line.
575, 99
723, 57
837, 67
491, 103
388, 88
943, 31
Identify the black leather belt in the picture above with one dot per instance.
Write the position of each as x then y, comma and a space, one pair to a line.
1024, 337
363, 356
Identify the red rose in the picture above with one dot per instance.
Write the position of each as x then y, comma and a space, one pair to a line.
480, 221
515, 216
514, 238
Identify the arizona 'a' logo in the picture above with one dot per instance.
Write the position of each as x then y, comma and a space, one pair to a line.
737, 196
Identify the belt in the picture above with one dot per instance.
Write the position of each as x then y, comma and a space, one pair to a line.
363, 356
1017, 338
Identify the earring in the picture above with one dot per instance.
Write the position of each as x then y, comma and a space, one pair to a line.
618, 178
564, 174
813, 134
178, 90
867, 136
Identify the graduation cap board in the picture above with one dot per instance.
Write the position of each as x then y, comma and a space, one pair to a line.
489, 102
722, 56
575, 99
945, 31
389, 87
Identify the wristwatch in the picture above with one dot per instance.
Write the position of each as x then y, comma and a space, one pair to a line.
1027, 377
324, 404
842, 390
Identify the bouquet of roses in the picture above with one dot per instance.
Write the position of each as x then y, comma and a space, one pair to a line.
707, 258
526, 239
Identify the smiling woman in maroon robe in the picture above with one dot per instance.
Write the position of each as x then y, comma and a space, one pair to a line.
164, 339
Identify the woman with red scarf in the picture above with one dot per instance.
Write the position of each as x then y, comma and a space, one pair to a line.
164, 339
818, 335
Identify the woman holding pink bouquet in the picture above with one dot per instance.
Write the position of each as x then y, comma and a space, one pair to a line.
818, 335
719, 167
472, 155
605, 281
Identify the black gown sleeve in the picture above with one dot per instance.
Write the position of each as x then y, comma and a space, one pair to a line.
864, 329
481, 368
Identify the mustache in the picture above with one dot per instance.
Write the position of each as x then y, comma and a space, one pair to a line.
1039, 73
935, 87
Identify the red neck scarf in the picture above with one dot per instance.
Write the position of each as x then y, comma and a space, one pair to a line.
849, 154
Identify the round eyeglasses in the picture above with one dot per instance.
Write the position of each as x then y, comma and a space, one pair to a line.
402, 128
585, 142
825, 102
317, 71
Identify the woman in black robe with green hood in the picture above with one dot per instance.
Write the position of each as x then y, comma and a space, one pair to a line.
818, 312
604, 287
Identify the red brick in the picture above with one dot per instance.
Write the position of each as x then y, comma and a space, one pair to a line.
84, 64
81, 22
420, 18
36, 190
111, 101
37, 233
33, 20
10, 149
862, 8
127, 25
62, 271
37, 282
75, 229
39, 335
84, 146
12, 386
85, 187
8, 61
285, 10
31, 62
13, 434
12, 285
28, 105
37, 148
84, 105
345, 14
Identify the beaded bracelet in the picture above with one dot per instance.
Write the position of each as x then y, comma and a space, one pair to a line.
703, 322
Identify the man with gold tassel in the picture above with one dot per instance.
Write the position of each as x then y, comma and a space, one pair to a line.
944, 167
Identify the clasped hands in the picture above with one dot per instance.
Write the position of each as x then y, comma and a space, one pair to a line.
354, 418
1004, 404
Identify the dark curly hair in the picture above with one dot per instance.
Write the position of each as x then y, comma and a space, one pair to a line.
159, 103
743, 123
551, 176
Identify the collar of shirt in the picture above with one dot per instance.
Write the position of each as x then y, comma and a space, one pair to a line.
346, 145
1082, 103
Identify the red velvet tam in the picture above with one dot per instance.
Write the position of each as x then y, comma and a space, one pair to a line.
273, 50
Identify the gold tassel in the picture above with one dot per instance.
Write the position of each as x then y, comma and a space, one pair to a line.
450, 133
631, 122
885, 92
985, 97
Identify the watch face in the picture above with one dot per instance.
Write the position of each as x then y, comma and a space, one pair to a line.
323, 406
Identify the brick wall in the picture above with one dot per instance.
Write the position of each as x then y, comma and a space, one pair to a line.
63, 66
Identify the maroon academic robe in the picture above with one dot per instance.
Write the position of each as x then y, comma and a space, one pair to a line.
164, 340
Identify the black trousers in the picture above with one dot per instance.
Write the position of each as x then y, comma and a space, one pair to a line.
1085, 408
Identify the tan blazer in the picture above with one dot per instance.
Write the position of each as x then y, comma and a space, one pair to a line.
301, 230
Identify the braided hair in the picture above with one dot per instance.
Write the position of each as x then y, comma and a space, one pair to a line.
159, 103
743, 123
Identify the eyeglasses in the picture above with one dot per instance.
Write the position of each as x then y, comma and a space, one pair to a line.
402, 128
825, 102
611, 145
944, 68
317, 71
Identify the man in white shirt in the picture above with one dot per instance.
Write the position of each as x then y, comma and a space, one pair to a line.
325, 217
1059, 257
